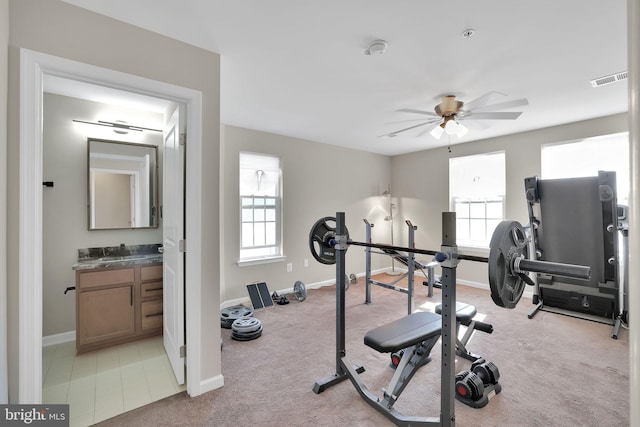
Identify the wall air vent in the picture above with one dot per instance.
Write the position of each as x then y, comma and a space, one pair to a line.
601, 81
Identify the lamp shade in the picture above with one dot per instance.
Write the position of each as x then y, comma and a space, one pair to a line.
437, 131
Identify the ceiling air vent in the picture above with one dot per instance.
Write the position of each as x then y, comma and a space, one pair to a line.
601, 81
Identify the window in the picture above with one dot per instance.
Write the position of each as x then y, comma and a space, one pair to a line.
476, 191
260, 207
588, 156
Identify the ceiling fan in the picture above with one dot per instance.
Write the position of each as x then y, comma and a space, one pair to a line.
450, 112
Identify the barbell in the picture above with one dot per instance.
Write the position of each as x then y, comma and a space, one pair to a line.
508, 258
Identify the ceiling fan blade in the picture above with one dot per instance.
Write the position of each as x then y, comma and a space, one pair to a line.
394, 133
511, 115
504, 105
482, 100
394, 122
412, 110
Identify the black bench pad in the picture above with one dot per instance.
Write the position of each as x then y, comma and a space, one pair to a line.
464, 312
404, 332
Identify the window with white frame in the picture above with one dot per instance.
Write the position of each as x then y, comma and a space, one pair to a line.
476, 191
586, 157
260, 207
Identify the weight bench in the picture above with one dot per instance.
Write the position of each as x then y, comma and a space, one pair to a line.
464, 316
430, 267
416, 334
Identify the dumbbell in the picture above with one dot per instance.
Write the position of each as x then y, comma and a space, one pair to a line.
469, 386
487, 371
299, 293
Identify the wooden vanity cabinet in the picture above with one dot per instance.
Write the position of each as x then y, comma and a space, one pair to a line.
151, 298
117, 304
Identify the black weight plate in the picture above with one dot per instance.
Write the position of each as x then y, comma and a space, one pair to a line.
300, 291
320, 238
508, 241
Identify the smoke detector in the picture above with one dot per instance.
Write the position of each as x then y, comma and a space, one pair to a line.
376, 47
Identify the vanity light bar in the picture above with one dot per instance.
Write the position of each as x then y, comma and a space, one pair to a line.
118, 125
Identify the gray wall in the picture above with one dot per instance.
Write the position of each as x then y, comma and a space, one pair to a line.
421, 180
63, 30
318, 181
65, 223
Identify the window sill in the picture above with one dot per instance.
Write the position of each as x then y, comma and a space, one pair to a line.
474, 250
258, 261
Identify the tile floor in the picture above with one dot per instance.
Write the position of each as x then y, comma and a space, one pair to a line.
102, 384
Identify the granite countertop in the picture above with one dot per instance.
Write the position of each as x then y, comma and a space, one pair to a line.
117, 256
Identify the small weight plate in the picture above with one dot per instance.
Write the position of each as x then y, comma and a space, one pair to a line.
300, 291
236, 312
247, 334
246, 324
247, 337
226, 323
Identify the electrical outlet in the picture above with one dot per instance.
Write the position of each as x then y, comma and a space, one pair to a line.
289, 267
306, 262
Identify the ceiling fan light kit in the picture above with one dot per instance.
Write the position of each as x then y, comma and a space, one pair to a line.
450, 111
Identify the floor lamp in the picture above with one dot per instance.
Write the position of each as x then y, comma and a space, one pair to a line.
390, 218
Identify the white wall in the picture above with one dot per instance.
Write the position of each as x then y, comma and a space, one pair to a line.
318, 181
65, 219
66, 31
421, 180
4, 65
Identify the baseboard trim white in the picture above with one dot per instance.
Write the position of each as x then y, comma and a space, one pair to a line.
317, 285
54, 339
210, 384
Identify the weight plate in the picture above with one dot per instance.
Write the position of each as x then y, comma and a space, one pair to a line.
300, 291
236, 312
248, 334
320, 240
247, 337
508, 241
246, 324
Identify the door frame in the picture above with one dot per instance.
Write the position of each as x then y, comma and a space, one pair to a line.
33, 67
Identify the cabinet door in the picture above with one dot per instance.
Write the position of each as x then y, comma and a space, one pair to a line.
105, 315
151, 312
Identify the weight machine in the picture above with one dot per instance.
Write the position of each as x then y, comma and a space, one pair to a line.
409, 260
577, 220
416, 332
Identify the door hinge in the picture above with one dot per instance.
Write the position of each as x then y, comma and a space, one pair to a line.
183, 139
183, 351
182, 245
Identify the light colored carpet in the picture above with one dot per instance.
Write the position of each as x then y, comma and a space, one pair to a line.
555, 370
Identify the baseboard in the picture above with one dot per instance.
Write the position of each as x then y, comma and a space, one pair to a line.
315, 285
330, 282
210, 384
63, 337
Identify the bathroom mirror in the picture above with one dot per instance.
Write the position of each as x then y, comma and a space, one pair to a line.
122, 185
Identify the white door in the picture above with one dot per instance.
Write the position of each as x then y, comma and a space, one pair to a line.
173, 233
